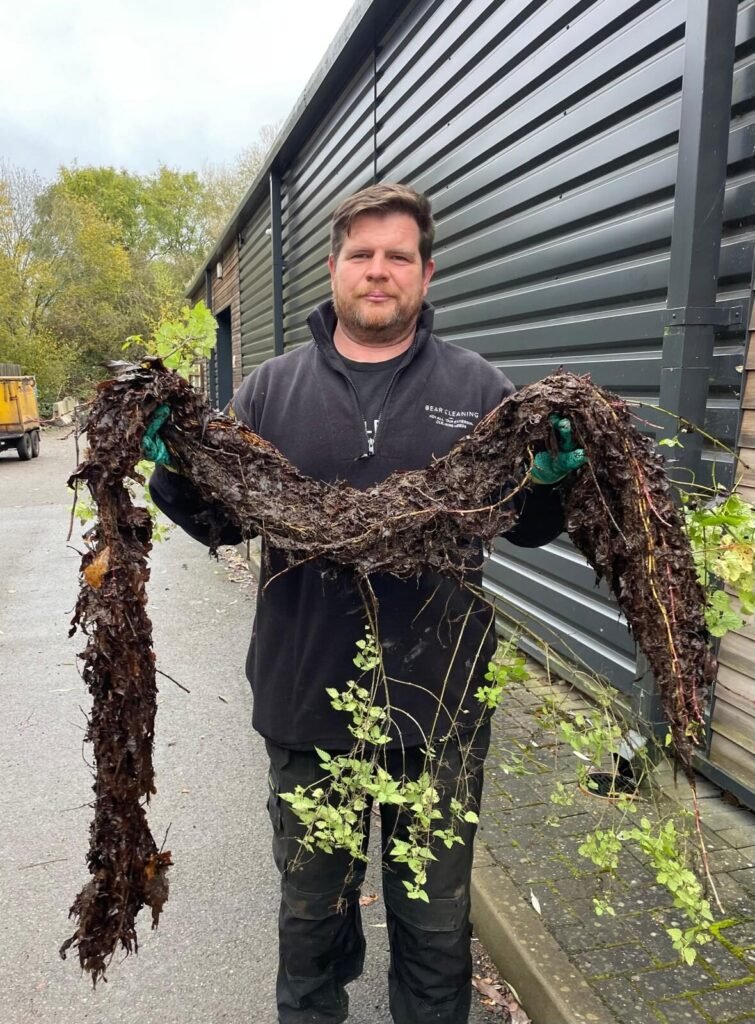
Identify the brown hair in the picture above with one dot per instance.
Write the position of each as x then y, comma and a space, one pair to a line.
381, 200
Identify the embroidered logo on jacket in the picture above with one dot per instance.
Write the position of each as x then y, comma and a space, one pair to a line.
457, 419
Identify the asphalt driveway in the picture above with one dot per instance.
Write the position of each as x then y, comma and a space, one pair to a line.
213, 957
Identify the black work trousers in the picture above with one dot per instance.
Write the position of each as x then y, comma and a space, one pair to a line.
322, 944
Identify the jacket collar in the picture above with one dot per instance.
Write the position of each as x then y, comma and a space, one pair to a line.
322, 322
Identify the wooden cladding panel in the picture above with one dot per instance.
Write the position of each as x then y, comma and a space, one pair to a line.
747, 433
748, 399
746, 467
226, 288
733, 723
737, 654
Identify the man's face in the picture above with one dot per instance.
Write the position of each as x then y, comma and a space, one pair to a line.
378, 279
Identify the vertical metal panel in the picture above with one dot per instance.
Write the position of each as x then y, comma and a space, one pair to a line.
546, 135
256, 286
337, 160
698, 208
277, 260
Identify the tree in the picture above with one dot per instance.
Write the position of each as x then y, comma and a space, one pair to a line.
101, 254
63, 303
19, 192
226, 184
37, 351
117, 195
176, 212
159, 217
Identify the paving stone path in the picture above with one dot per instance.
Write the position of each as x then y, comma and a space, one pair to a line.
628, 960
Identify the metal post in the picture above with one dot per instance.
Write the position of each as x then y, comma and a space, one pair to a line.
691, 311
278, 264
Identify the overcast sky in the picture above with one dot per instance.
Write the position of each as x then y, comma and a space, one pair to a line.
132, 83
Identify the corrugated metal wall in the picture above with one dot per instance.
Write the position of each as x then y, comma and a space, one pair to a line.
256, 285
545, 135
336, 161
545, 132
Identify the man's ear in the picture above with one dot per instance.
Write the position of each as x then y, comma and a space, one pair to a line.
427, 274
331, 264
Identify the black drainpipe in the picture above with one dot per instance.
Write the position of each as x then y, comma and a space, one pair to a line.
692, 315
691, 312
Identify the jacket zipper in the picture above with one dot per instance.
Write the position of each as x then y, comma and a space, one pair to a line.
383, 404
370, 441
360, 415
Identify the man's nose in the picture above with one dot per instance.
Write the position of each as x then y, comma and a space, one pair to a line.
377, 267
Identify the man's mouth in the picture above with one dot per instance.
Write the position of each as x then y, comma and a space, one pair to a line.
377, 296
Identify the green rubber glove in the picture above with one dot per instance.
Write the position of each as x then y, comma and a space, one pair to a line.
153, 445
549, 469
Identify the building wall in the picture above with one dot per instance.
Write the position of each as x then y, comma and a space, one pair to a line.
546, 135
256, 283
337, 159
733, 721
226, 292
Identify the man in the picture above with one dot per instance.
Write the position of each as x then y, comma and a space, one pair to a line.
373, 392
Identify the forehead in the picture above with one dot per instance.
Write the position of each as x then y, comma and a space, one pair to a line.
387, 230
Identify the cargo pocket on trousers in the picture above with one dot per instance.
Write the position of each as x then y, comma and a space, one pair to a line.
278, 759
448, 914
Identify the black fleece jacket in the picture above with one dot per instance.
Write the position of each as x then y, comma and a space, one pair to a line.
436, 638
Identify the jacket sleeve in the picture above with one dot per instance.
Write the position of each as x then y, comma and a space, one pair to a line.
179, 499
541, 513
541, 516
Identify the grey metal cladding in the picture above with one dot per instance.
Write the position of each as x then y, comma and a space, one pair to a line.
545, 133
546, 137
256, 287
337, 160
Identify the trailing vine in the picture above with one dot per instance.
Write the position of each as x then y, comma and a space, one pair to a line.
668, 843
332, 810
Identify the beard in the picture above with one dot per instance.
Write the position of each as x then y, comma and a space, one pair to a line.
377, 324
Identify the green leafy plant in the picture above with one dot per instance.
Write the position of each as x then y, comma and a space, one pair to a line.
332, 810
664, 846
181, 340
508, 667
722, 535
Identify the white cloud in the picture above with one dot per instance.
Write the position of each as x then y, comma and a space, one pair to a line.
135, 83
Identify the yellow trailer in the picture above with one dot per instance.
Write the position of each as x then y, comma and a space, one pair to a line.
19, 416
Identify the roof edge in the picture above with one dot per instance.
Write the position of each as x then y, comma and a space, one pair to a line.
353, 41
